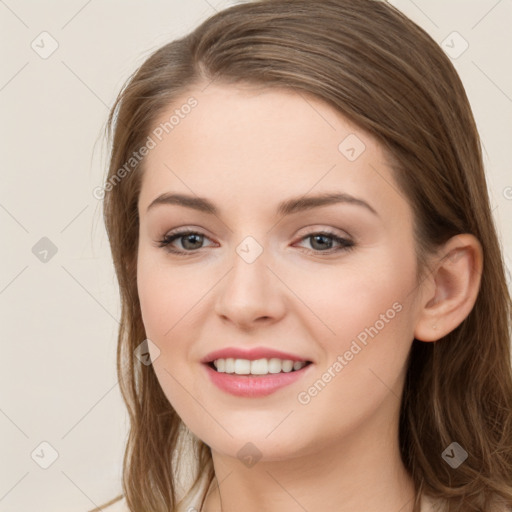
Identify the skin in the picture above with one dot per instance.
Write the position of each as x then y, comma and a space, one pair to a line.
247, 149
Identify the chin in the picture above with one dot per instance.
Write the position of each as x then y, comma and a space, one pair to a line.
257, 440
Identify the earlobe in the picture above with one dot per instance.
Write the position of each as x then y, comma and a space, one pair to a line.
450, 291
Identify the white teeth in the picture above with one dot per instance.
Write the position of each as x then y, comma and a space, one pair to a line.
242, 366
230, 365
274, 365
258, 366
287, 365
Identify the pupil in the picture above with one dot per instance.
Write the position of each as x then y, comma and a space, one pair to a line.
191, 237
321, 236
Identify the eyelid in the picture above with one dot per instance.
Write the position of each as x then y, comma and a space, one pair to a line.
319, 228
309, 230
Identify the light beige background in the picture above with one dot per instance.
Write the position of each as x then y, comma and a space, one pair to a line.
59, 317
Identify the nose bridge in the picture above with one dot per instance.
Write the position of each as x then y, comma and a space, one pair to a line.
248, 279
250, 290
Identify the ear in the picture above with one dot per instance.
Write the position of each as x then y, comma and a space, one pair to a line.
450, 290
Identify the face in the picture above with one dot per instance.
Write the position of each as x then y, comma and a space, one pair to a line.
273, 275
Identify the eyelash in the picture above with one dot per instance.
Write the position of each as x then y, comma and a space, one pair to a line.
346, 244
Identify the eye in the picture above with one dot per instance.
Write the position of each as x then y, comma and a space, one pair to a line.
320, 242
191, 241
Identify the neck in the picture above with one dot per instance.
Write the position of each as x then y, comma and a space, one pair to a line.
363, 471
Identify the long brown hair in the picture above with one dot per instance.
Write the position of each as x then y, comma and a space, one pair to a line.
383, 72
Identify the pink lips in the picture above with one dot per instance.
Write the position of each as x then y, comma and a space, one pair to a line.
252, 385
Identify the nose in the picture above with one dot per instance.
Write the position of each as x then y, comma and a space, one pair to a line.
251, 294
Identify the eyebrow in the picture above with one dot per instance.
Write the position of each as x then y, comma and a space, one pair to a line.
288, 207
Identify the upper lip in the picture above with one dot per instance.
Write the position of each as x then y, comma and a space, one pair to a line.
252, 354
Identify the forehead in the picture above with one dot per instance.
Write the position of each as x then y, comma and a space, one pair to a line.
249, 146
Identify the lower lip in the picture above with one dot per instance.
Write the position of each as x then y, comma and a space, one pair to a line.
254, 385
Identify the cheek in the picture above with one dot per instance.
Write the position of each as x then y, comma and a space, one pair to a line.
366, 359
371, 314
164, 307
362, 372
162, 295
153, 302
370, 297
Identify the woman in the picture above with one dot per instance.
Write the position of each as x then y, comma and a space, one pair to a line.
371, 373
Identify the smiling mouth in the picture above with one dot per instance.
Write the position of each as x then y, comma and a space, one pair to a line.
257, 367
